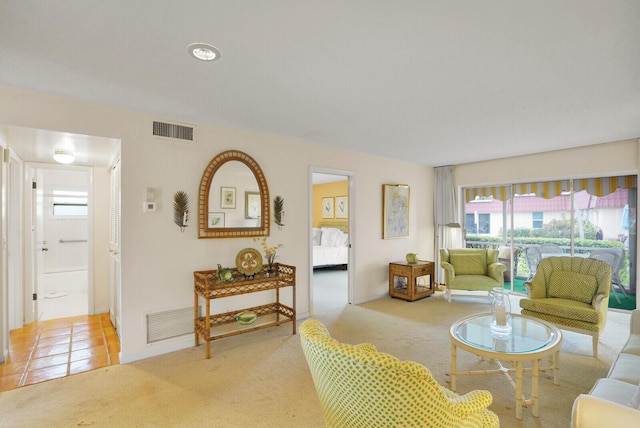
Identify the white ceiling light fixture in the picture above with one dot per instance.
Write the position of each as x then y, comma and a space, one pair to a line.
204, 51
63, 156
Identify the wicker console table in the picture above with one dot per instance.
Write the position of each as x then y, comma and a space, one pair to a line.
217, 326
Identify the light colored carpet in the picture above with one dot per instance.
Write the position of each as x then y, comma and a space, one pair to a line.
261, 379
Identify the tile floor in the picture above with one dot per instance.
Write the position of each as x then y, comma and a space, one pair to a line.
57, 348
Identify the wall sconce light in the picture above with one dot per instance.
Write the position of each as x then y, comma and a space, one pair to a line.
63, 156
278, 211
181, 209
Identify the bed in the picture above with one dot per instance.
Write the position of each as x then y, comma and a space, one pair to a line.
330, 245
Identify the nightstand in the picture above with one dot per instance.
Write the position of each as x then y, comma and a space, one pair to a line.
411, 281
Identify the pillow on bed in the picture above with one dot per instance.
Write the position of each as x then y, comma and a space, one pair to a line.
316, 234
331, 237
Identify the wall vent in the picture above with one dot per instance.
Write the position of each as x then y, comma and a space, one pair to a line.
171, 323
174, 131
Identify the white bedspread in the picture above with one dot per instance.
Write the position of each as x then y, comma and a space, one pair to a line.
330, 247
328, 256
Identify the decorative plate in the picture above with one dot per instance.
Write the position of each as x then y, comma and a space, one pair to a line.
249, 261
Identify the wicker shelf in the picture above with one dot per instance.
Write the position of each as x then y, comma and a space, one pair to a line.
217, 326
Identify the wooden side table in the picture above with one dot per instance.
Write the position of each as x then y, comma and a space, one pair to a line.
409, 281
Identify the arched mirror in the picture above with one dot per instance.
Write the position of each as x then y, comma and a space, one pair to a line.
233, 201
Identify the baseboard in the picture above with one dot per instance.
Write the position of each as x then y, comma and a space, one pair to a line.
159, 348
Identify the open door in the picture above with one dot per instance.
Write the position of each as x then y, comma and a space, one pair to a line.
331, 196
114, 247
61, 219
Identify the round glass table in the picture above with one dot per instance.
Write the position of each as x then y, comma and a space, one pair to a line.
530, 340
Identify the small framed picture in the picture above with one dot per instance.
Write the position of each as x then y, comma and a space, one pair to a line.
342, 207
327, 208
227, 197
216, 220
251, 204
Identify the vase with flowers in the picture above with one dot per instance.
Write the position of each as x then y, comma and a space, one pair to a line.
270, 255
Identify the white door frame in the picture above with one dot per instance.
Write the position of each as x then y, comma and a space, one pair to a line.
15, 239
352, 235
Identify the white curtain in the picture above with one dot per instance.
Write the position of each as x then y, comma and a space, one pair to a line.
447, 223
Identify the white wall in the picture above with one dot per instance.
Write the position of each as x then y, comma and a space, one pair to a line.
158, 260
616, 158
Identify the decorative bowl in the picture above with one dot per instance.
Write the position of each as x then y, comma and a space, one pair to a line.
412, 258
246, 317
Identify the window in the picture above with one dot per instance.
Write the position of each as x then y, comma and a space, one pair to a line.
470, 224
476, 223
70, 210
580, 215
69, 204
537, 219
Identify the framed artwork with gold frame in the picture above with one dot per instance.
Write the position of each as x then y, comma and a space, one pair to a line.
227, 197
395, 211
327, 208
252, 205
342, 207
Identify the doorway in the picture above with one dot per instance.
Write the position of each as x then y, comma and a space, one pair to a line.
29, 152
61, 239
70, 281
331, 213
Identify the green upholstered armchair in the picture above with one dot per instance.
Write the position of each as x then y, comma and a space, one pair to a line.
361, 387
572, 293
475, 269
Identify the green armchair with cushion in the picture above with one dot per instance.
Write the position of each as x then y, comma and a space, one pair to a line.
474, 269
361, 387
572, 293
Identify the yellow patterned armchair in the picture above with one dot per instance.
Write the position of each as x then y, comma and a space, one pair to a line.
475, 269
361, 387
572, 293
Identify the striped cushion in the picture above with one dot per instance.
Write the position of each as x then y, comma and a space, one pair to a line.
572, 286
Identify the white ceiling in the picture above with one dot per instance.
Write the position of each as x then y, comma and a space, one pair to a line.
434, 82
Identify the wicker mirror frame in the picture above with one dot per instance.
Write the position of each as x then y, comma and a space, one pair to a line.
204, 231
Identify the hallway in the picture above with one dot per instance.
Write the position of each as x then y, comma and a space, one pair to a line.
57, 348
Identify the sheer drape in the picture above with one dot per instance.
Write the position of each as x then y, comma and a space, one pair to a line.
447, 225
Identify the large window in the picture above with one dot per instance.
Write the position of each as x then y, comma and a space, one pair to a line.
579, 217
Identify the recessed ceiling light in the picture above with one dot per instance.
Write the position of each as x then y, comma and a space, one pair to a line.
63, 156
204, 51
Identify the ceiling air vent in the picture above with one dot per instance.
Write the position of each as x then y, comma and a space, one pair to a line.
173, 131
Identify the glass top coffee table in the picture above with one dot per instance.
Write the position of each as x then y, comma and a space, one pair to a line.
530, 340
